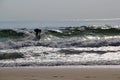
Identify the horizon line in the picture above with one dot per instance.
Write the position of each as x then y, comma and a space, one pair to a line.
99, 19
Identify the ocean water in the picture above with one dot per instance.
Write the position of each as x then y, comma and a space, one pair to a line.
54, 24
62, 43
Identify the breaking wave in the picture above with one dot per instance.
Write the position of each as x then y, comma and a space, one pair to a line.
46, 56
84, 36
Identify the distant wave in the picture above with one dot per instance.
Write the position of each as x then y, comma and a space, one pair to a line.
105, 19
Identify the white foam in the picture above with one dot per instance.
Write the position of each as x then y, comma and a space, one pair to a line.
54, 57
57, 30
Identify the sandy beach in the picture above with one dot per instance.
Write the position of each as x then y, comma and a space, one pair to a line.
60, 73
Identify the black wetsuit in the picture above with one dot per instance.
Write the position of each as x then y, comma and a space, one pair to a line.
37, 33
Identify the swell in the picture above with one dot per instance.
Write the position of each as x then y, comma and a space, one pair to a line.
85, 31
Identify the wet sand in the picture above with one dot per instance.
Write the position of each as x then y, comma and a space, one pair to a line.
60, 73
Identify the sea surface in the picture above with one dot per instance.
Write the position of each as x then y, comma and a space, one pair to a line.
87, 42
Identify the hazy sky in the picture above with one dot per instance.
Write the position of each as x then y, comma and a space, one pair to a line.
33, 10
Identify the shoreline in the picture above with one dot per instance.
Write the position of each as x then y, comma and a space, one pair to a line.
69, 66
61, 73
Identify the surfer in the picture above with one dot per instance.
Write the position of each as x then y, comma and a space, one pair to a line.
37, 33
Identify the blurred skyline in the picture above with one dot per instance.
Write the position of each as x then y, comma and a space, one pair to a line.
56, 10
